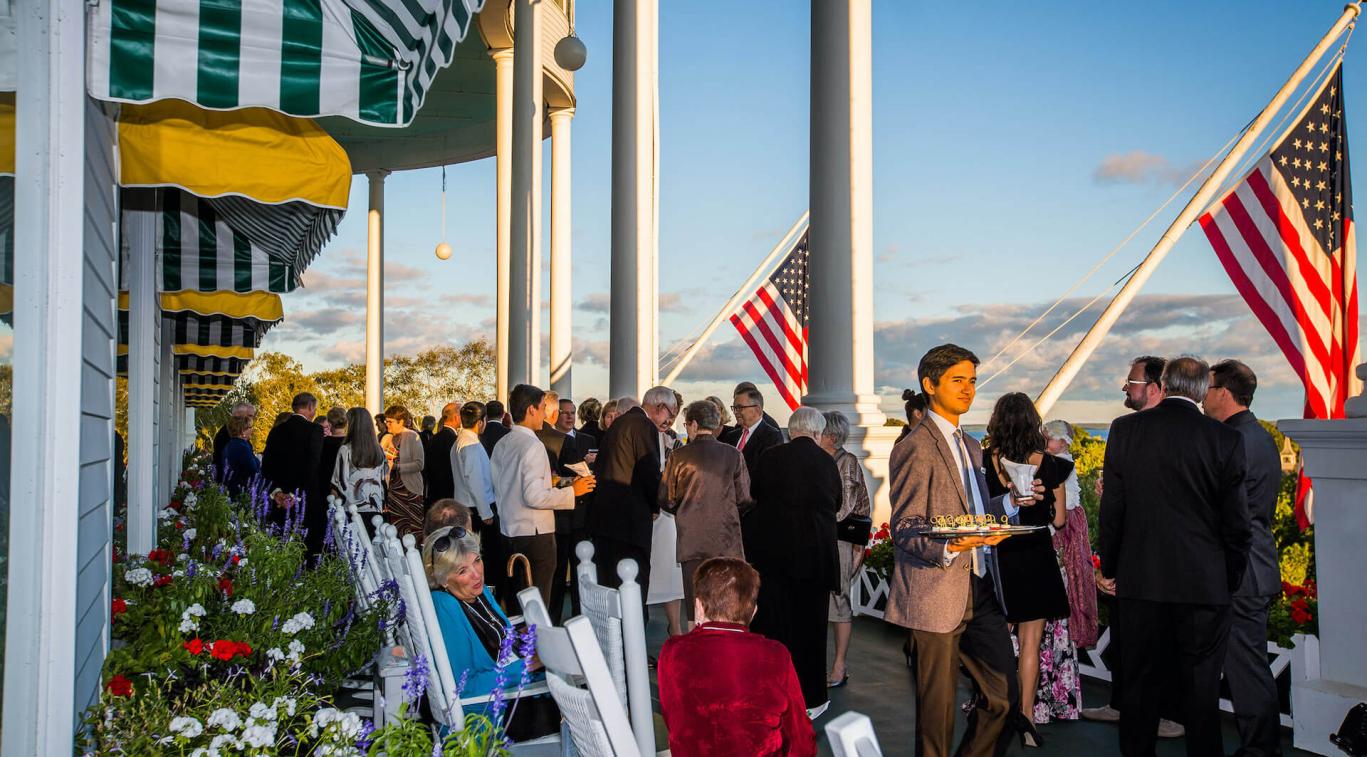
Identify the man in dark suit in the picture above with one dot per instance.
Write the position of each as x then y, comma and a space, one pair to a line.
752, 434
570, 526
289, 465
437, 452
1251, 686
494, 428
790, 539
1174, 546
241, 409
327, 459
626, 502
948, 593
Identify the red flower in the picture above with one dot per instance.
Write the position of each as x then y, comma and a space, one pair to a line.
161, 581
244, 649
180, 526
160, 556
175, 505
194, 646
1096, 561
225, 585
119, 686
117, 557
1300, 612
223, 649
236, 559
118, 607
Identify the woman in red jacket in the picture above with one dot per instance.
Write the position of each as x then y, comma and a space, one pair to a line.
724, 690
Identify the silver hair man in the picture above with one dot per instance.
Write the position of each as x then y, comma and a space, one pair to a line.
806, 421
1186, 376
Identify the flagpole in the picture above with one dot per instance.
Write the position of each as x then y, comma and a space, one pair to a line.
1056, 386
784, 246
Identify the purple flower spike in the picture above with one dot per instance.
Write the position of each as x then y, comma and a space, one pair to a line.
415, 681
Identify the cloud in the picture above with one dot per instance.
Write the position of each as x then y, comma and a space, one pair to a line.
482, 300
325, 321
595, 302
672, 302
397, 272
1139, 167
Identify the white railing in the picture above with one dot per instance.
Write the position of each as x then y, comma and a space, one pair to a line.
869, 595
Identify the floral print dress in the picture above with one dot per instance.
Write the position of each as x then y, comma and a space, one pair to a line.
1059, 694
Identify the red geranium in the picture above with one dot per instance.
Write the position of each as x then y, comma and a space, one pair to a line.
117, 557
161, 581
160, 556
175, 505
1300, 612
225, 649
119, 686
1096, 561
236, 559
194, 646
225, 585
118, 607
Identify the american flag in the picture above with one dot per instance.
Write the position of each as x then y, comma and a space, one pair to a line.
1285, 236
774, 323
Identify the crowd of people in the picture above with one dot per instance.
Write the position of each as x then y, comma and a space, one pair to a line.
748, 537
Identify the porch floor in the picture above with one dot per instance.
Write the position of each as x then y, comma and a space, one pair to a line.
880, 687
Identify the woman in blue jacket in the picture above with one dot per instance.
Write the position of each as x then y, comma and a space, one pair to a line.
474, 629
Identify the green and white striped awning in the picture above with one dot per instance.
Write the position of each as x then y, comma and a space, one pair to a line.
198, 364
208, 330
372, 61
202, 252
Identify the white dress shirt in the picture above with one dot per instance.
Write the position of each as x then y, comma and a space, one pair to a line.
977, 501
522, 485
470, 472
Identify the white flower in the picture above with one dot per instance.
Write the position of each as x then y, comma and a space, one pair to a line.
224, 718
322, 719
202, 752
262, 711
244, 607
187, 727
300, 622
241, 561
296, 649
224, 740
190, 499
259, 736
190, 533
274, 655
166, 513
138, 577
189, 619
286, 702
182, 557
177, 573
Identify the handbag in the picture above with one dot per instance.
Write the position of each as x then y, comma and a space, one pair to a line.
854, 529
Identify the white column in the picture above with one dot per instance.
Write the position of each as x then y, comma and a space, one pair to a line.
374, 295
143, 321
40, 663
562, 274
167, 462
503, 146
634, 357
524, 280
840, 340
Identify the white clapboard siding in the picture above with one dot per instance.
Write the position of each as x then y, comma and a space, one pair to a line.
96, 472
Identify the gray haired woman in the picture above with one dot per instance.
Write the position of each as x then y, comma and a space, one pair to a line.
854, 500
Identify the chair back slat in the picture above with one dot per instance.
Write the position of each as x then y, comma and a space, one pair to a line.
441, 685
619, 611
603, 607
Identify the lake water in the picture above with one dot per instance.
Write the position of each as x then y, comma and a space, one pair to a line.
1098, 430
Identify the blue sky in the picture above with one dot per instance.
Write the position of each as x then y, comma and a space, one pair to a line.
1014, 145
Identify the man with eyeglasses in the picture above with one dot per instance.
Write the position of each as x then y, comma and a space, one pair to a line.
1144, 384
751, 435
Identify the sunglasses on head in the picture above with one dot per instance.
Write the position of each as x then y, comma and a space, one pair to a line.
447, 539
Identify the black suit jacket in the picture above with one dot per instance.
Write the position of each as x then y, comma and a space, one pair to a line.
1174, 512
575, 450
761, 440
791, 529
1262, 483
437, 468
290, 460
493, 431
220, 441
628, 471
327, 462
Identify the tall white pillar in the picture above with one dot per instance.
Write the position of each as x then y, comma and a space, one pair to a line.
524, 280
143, 321
634, 357
374, 295
49, 184
503, 146
167, 460
840, 340
562, 274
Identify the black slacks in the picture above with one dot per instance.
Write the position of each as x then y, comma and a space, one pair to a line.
1191, 636
793, 612
566, 574
1252, 689
607, 552
982, 644
1171, 706
540, 552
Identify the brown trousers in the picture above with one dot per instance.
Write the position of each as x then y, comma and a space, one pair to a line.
983, 645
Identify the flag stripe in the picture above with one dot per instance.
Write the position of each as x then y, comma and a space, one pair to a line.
1297, 244
779, 378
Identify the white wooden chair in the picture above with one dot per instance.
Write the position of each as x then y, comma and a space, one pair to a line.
447, 704
355, 549
578, 677
851, 735
618, 622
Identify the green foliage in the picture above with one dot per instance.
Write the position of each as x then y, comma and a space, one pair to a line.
405, 735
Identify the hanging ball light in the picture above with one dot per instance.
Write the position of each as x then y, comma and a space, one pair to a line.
570, 53
443, 249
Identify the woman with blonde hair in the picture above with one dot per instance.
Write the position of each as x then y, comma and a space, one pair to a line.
404, 503
610, 414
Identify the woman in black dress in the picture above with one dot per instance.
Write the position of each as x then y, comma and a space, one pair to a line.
1032, 584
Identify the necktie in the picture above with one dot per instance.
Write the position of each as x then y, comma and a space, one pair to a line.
969, 492
744, 436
